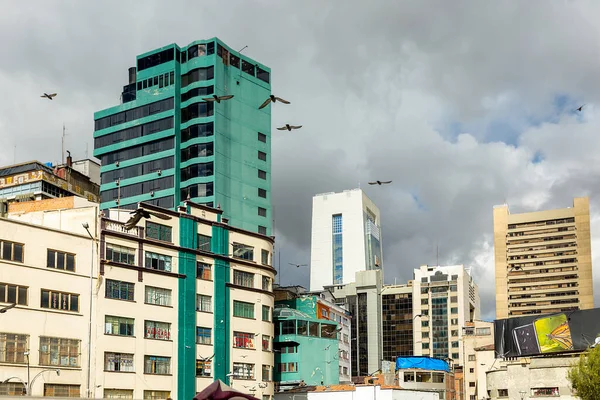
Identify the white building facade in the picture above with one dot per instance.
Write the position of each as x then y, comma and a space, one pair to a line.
444, 299
346, 238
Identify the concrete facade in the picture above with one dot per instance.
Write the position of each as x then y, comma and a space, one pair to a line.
543, 260
345, 238
478, 345
531, 378
371, 392
446, 298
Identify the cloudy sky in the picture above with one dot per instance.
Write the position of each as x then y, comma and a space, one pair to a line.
463, 104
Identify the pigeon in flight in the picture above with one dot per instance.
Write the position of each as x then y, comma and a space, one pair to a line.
5, 309
298, 265
380, 183
49, 96
273, 99
289, 127
580, 108
218, 99
141, 213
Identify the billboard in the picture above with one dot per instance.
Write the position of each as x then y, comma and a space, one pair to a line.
546, 334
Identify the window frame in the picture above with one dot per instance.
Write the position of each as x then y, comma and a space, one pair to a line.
160, 293
201, 271
243, 278
200, 303
5, 293
122, 357
56, 255
243, 309
164, 233
11, 257
20, 345
128, 322
46, 350
128, 287
157, 330
207, 339
60, 294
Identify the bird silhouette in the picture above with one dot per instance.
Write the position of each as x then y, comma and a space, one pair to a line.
5, 309
298, 265
273, 99
380, 183
289, 127
49, 96
140, 213
580, 108
218, 99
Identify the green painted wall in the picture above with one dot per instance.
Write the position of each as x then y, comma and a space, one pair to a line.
222, 313
186, 321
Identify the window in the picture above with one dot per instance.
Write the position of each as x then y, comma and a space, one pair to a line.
262, 174
288, 349
157, 330
12, 389
120, 254
289, 328
262, 212
266, 283
455, 344
502, 392
287, 367
13, 294
262, 74
472, 397
158, 296
424, 324
454, 321
118, 362
549, 391
262, 155
243, 310
200, 91
197, 150
471, 384
453, 288
203, 303
483, 331
203, 271
265, 342
121, 326
203, 335
60, 352
454, 332
118, 393
424, 301
425, 335
266, 373
243, 251
61, 260
262, 137
437, 377
425, 346
471, 370
197, 75
157, 365
243, 371
156, 394
119, 290
243, 340
158, 262
197, 130
203, 242
60, 390
11, 251
60, 301
262, 193
134, 113
242, 278
455, 356
158, 231
203, 367
247, 67
454, 310
471, 357
13, 347
454, 299
262, 230
266, 313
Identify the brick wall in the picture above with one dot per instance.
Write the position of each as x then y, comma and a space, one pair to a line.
41, 205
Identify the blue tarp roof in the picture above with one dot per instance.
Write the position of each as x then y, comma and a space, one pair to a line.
429, 363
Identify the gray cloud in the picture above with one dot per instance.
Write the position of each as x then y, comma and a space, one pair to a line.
446, 100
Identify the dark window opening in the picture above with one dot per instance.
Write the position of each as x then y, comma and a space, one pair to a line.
156, 59
247, 67
134, 114
262, 156
196, 131
196, 110
201, 91
263, 75
197, 170
262, 193
262, 137
262, 174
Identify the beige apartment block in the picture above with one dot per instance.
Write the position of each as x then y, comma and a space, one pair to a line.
543, 260
478, 347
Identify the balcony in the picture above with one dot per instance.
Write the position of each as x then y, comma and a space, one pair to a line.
116, 226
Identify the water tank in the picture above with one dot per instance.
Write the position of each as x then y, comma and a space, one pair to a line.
132, 73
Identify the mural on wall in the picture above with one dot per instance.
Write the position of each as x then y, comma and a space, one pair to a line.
545, 334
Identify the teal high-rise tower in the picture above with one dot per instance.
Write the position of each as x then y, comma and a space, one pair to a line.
166, 143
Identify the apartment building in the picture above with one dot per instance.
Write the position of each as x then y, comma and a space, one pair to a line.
445, 299
397, 321
543, 260
478, 347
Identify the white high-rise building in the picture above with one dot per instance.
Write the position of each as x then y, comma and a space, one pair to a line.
346, 238
444, 299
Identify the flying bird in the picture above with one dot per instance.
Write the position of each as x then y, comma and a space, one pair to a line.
218, 99
289, 127
141, 213
49, 96
580, 108
298, 265
380, 183
273, 99
5, 309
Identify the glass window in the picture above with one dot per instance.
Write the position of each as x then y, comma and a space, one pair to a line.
203, 271
119, 290
118, 394
262, 74
203, 335
13, 347
455, 344
262, 174
61, 390
454, 310
133, 133
203, 367
120, 326
243, 371
157, 330
266, 283
120, 254
134, 113
14, 294
59, 352
11, 251
60, 301
197, 170
262, 193
266, 339
302, 328
118, 362
197, 130
262, 137
158, 231
266, 313
247, 67
242, 278
266, 373
158, 262
243, 340
161, 81
483, 331
262, 155
243, 310
313, 329
262, 212
471, 357
158, 296
243, 251
157, 365
204, 242
197, 75
156, 394
262, 230
203, 303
